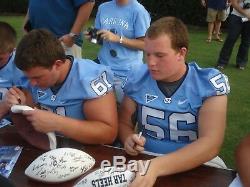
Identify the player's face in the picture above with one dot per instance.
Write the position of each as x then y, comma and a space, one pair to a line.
164, 63
4, 58
42, 77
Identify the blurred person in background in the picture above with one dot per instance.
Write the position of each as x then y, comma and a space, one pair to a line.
64, 18
122, 25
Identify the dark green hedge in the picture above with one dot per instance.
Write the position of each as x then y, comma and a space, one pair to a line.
190, 11
13, 6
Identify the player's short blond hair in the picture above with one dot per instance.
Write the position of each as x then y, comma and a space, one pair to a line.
174, 28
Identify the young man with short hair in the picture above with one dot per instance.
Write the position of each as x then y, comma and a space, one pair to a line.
75, 94
180, 108
10, 75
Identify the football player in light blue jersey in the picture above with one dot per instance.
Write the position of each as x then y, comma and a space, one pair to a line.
122, 25
77, 94
10, 75
180, 108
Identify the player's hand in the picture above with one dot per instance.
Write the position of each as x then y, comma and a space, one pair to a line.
108, 36
42, 120
67, 40
14, 96
145, 179
134, 145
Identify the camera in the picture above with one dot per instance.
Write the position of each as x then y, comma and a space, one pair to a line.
94, 37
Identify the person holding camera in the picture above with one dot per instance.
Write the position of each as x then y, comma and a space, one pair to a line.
239, 24
122, 25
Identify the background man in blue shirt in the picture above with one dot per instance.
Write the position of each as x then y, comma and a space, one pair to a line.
64, 18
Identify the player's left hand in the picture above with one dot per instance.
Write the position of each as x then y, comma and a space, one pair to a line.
146, 180
41, 120
67, 40
108, 36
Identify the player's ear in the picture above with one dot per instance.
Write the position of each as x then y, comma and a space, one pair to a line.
58, 63
182, 54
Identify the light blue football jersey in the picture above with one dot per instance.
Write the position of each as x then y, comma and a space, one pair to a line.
171, 123
10, 76
86, 80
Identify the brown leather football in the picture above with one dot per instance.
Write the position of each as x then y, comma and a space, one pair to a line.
26, 130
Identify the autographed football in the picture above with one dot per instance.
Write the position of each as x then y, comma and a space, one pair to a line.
60, 165
108, 176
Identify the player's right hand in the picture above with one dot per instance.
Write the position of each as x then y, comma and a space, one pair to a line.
14, 96
134, 145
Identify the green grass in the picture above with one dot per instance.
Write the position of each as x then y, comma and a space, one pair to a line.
238, 119
206, 55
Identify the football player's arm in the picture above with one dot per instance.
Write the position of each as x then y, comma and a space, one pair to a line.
211, 124
243, 160
100, 126
132, 143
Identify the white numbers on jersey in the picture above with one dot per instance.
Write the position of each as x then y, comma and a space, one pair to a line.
173, 126
221, 87
173, 119
3, 91
146, 111
59, 110
101, 84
